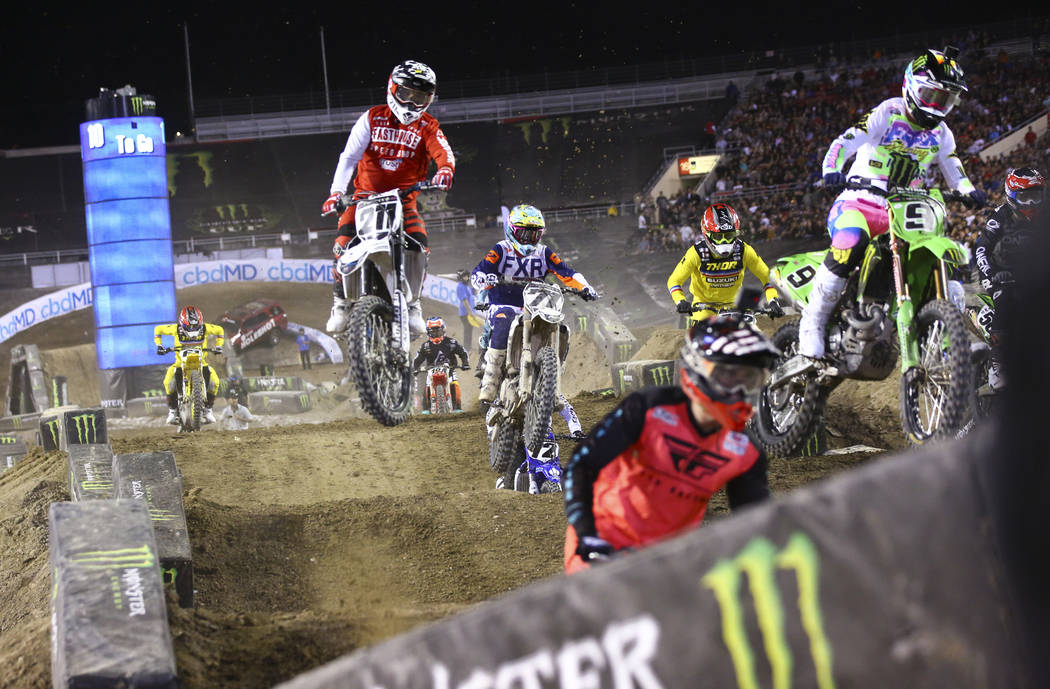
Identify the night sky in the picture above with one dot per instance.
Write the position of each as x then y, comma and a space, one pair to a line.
55, 59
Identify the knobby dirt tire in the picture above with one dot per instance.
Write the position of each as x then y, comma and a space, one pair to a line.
781, 443
953, 369
441, 398
508, 451
196, 400
368, 338
541, 406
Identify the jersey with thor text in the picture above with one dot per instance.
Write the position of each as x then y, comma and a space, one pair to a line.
717, 270
502, 262
662, 483
398, 155
895, 152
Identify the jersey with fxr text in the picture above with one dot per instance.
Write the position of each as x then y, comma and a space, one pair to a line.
502, 265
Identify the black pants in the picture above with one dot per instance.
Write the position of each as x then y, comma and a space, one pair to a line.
304, 358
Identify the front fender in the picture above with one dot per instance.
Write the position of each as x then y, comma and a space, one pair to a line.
793, 275
944, 248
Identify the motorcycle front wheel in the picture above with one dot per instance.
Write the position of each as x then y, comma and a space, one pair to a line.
936, 394
506, 452
381, 374
441, 397
540, 407
786, 417
196, 400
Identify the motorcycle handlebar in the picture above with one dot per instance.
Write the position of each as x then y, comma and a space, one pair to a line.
169, 350
865, 184
347, 200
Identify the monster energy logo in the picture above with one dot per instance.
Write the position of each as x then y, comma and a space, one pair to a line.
52, 426
903, 169
581, 323
759, 560
160, 515
623, 350
7, 440
115, 559
304, 400
661, 374
85, 425
136, 105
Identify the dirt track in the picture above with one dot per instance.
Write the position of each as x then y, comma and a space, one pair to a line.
312, 540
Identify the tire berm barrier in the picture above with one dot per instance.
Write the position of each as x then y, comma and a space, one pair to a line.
109, 624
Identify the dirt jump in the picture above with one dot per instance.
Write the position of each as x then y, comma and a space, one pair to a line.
320, 533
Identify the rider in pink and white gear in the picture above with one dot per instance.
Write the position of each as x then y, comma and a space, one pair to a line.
895, 145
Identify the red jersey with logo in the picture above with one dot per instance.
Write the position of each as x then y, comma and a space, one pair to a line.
647, 472
390, 155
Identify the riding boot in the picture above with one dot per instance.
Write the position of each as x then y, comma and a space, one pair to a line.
173, 409
340, 317
827, 289
494, 359
479, 370
457, 403
415, 273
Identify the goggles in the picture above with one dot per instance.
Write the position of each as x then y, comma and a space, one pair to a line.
1028, 197
725, 237
435, 333
410, 96
527, 235
734, 381
941, 100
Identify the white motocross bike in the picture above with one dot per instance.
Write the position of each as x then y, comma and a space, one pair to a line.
530, 388
372, 269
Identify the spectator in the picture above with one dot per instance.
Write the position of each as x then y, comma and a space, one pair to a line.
304, 348
235, 417
1030, 138
466, 301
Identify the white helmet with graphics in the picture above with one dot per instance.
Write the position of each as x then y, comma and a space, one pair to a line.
410, 90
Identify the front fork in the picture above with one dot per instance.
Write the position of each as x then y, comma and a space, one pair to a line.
909, 343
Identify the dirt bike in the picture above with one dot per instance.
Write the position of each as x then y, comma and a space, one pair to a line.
439, 381
193, 391
538, 473
372, 269
537, 344
896, 305
979, 318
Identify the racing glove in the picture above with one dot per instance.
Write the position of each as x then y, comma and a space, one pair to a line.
976, 199
578, 435
684, 306
589, 294
328, 206
217, 350
834, 181
593, 548
160, 350
1003, 277
442, 178
773, 308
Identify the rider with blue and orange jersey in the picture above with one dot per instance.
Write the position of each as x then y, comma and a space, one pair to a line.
189, 331
896, 145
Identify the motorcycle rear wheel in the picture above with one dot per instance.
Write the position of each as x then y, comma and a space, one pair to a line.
540, 407
936, 395
383, 384
787, 417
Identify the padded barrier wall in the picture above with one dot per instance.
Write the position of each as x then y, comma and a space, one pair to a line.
109, 624
91, 472
280, 402
852, 582
153, 477
12, 449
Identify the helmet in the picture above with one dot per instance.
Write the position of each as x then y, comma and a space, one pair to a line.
410, 90
933, 83
524, 228
725, 362
435, 329
720, 225
1025, 191
191, 323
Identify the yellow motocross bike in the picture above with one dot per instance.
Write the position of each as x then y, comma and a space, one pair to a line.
190, 385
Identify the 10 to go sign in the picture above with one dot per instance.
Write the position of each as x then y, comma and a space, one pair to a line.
96, 138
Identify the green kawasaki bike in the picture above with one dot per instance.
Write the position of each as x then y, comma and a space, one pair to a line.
897, 305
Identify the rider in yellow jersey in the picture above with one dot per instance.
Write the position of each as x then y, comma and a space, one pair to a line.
189, 331
715, 267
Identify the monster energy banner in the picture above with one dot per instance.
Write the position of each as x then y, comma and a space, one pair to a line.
154, 478
280, 402
883, 577
604, 327
635, 375
272, 383
20, 423
52, 433
12, 449
109, 626
90, 472
85, 426
147, 406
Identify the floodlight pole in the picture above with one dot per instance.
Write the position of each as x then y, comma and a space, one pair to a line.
324, 68
189, 80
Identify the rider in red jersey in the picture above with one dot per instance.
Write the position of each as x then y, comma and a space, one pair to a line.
390, 147
647, 470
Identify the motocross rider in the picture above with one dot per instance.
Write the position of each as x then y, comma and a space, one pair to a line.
437, 347
715, 267
390, 146
1006, 236
895, 144
189, 331
518, 255
648, 469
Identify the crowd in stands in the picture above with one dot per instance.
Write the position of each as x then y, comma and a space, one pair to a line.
775, 140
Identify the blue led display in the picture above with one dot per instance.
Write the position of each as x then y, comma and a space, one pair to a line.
127, 346
129, 236
127, 219
130, 177
115, 304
